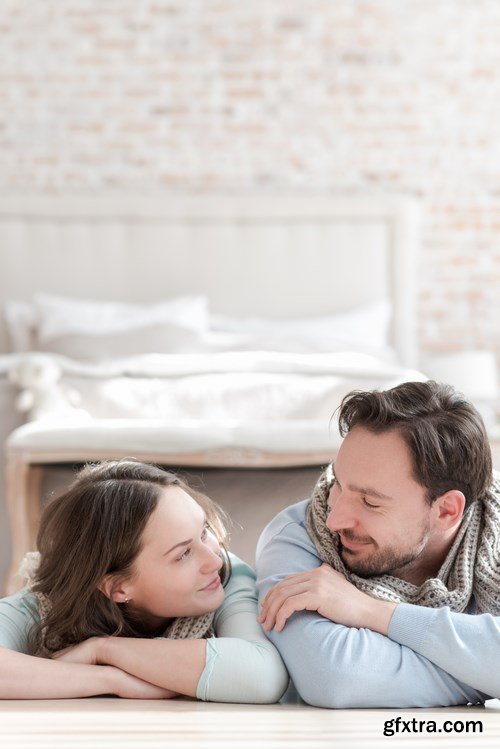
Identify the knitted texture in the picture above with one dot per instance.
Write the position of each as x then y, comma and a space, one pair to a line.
470, 570
181, 628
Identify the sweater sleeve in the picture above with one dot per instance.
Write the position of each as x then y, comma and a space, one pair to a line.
343, 667
467, 646
241, 664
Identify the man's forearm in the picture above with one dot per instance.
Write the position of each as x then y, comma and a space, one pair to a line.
172, 664
378, 616
28, 677
465, 645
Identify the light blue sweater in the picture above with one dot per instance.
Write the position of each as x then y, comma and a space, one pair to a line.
241, 664
431, 657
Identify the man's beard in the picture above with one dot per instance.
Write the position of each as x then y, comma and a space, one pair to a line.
388, 561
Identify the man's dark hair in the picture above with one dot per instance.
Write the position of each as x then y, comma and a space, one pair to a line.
445, 434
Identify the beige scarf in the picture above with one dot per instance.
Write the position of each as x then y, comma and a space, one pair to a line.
470, 570
182, 628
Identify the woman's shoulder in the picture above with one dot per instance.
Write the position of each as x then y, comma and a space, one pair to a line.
240, 569
18, 613
23, 602
240, 591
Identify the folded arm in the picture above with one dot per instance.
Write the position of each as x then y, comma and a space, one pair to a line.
464, 645
28, 677
342, 666
239, 665
24, 676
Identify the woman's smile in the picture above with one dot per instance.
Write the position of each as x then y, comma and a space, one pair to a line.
213, 585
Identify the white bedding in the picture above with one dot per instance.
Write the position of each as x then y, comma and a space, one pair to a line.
258, 400
260, 386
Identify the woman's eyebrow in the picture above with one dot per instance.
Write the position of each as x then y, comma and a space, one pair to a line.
185, 543
181, 543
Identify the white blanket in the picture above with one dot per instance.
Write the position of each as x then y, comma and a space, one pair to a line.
271, 396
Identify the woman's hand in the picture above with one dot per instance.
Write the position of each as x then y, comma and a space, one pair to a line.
87, 651
329, 593
122, 683
130, 687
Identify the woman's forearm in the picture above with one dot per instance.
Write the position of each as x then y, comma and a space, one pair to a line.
28, 677
171, 664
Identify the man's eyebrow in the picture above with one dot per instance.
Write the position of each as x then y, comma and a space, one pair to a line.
365, 490
185, 543
370, 492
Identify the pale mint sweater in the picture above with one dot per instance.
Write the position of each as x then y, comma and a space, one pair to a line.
241, 664
431, 657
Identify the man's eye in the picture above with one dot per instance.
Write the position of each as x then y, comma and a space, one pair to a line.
368, 504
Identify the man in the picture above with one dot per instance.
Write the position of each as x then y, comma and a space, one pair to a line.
383, 590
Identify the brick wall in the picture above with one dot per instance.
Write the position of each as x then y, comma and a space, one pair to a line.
399, 96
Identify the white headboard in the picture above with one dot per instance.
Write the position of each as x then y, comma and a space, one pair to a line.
267, 255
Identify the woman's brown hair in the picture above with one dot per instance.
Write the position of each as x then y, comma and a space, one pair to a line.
93, 529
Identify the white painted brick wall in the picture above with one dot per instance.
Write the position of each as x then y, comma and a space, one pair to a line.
399, 96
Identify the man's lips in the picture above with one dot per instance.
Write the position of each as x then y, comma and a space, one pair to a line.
213, 585
352, 545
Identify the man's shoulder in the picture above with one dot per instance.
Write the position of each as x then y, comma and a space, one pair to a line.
290, 522
293, 514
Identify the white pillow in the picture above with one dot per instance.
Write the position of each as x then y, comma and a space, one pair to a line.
20, 321
93, 330
365, 328
59, 316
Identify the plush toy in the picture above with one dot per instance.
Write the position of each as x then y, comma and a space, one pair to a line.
42, 394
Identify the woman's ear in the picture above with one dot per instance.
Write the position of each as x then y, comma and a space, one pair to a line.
450, 508
113, 590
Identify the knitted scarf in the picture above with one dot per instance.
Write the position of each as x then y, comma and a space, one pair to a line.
181, 628
470, 570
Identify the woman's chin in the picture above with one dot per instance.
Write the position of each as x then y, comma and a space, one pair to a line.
211, 600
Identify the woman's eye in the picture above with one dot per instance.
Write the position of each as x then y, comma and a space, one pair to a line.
204, 532
184, 555
367, 504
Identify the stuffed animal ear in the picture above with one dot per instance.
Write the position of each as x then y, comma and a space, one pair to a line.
25, 400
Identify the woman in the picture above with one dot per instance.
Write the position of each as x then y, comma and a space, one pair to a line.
132, 565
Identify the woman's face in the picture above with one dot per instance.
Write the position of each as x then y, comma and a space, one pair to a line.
177, 571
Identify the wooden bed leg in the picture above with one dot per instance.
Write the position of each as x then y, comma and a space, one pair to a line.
23, 505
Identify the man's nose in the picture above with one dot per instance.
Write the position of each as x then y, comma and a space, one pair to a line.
341, 515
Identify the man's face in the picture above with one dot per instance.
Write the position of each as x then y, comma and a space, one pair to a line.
380, 512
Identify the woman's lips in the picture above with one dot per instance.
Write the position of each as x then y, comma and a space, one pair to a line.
213, 585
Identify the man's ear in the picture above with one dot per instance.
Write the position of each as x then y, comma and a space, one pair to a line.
113, 589
449, 509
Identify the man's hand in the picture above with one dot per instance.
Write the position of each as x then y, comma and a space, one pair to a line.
328, 592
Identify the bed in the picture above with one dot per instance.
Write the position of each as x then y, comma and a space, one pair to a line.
256, 314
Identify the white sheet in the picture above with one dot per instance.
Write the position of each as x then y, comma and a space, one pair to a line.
267, 401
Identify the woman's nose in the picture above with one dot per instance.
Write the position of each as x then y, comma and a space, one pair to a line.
213, 560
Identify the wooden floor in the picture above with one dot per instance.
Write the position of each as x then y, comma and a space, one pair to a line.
122, 724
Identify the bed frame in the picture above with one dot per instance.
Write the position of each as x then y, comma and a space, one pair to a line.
267, 255
276, 256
